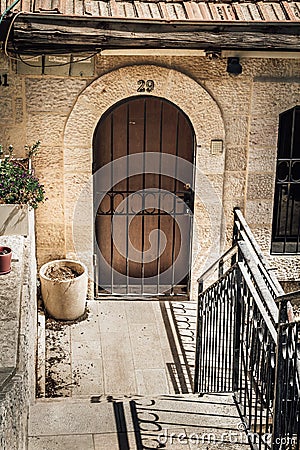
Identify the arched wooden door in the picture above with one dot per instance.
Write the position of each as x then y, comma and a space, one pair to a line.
143, 243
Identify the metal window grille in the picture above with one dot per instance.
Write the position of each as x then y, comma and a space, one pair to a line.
286, 215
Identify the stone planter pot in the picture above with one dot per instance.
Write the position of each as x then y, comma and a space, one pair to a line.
15, 220
64, 299
5, 260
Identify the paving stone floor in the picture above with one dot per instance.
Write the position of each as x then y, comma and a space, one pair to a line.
122, 379
123, 347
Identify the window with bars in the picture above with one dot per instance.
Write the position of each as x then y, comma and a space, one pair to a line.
286, 215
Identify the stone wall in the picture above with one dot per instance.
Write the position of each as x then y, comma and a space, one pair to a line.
43, 107
18, 324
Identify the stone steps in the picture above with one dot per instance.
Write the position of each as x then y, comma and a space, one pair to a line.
172, 422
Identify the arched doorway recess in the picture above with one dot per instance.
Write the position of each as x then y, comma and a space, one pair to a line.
144, 221
93, 102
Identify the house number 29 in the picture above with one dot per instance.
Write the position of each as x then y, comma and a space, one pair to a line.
145, 85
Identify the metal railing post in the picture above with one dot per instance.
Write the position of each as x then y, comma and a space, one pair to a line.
237, 331
96, 275
236, 230
198, 337
200, 286
278, 392
221, 268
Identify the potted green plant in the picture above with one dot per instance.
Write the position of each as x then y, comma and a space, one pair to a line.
20, 191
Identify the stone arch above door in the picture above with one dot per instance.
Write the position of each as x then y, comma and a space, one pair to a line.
104, 92
122, 83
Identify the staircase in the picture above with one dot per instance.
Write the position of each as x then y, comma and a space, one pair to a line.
243, 368
249, 344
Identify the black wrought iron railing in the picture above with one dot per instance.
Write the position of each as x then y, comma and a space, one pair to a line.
216, 335
242, 233
255, 363
246, 346
286, 433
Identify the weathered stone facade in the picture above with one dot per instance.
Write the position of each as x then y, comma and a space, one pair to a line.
18, 340
241, 110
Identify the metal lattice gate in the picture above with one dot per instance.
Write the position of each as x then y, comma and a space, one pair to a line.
144, 216
217, 336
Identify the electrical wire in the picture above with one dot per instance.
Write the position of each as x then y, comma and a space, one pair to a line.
8, 10
19, 58
8, 32
10, 27
24, 61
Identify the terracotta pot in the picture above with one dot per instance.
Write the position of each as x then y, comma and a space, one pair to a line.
64, 299
5, 260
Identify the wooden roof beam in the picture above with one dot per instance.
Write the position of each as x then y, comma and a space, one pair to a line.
34, 34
